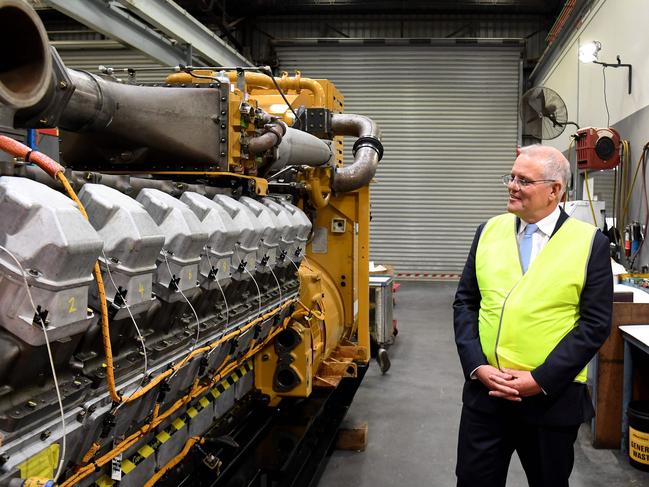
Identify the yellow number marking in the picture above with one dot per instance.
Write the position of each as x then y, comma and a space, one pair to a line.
141, 290
72, 308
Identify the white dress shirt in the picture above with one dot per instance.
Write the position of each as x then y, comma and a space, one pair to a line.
542, 234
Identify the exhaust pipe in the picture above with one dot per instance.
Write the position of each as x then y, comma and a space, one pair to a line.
294, 147
367, 151
274, 130
109, 125
25, 71
114, 124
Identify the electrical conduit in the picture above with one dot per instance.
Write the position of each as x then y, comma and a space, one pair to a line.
131, 440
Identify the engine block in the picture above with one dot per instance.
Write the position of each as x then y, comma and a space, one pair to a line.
174, 277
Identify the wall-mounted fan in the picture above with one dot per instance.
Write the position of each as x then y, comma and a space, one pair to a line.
543, 113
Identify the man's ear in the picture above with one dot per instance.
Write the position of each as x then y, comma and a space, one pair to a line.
556, 190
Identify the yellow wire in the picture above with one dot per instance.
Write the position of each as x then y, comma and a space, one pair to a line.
624, 183
163, 375
572, 143
628, 197
175, 460
194, 393
105, 328
590, 201
94, 448
620, 189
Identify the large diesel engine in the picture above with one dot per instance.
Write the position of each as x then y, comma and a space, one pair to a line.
184, 291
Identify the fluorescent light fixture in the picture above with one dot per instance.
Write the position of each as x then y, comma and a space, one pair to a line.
588, 52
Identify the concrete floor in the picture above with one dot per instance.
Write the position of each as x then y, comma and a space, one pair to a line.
413, 411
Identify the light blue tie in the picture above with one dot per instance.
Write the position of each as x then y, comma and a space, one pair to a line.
525, 245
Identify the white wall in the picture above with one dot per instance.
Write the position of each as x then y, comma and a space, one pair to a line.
622, 26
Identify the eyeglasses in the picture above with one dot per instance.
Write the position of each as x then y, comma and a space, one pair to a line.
522, 182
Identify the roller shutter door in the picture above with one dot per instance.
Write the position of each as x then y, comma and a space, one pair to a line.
87, 56
450, 129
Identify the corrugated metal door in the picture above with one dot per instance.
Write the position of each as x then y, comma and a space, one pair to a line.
450, 129
87, 56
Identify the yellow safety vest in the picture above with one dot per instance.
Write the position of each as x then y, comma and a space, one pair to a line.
524, 316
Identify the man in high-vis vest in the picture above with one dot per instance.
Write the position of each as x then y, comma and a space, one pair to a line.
532, 308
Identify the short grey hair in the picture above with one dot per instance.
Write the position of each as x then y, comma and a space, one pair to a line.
555, 165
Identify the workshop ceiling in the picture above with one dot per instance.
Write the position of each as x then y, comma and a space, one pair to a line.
548, 8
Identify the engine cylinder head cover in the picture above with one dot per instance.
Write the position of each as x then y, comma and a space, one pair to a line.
303, 225
132, 243
249, 237
272, 231
221, 243
185, 237
57, 248
289, 226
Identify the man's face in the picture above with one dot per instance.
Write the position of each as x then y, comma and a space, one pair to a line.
535, 201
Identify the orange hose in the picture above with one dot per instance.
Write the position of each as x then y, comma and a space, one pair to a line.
16, 149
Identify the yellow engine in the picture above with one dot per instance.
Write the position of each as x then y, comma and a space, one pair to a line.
196, 258
319, 348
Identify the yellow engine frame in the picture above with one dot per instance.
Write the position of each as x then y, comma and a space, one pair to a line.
334, 279
331, 333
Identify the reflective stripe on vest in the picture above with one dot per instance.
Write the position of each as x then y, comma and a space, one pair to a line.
524, 316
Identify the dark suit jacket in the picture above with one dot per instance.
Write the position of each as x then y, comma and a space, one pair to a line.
565, 402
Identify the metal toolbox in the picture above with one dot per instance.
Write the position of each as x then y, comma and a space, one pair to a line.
381, 309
